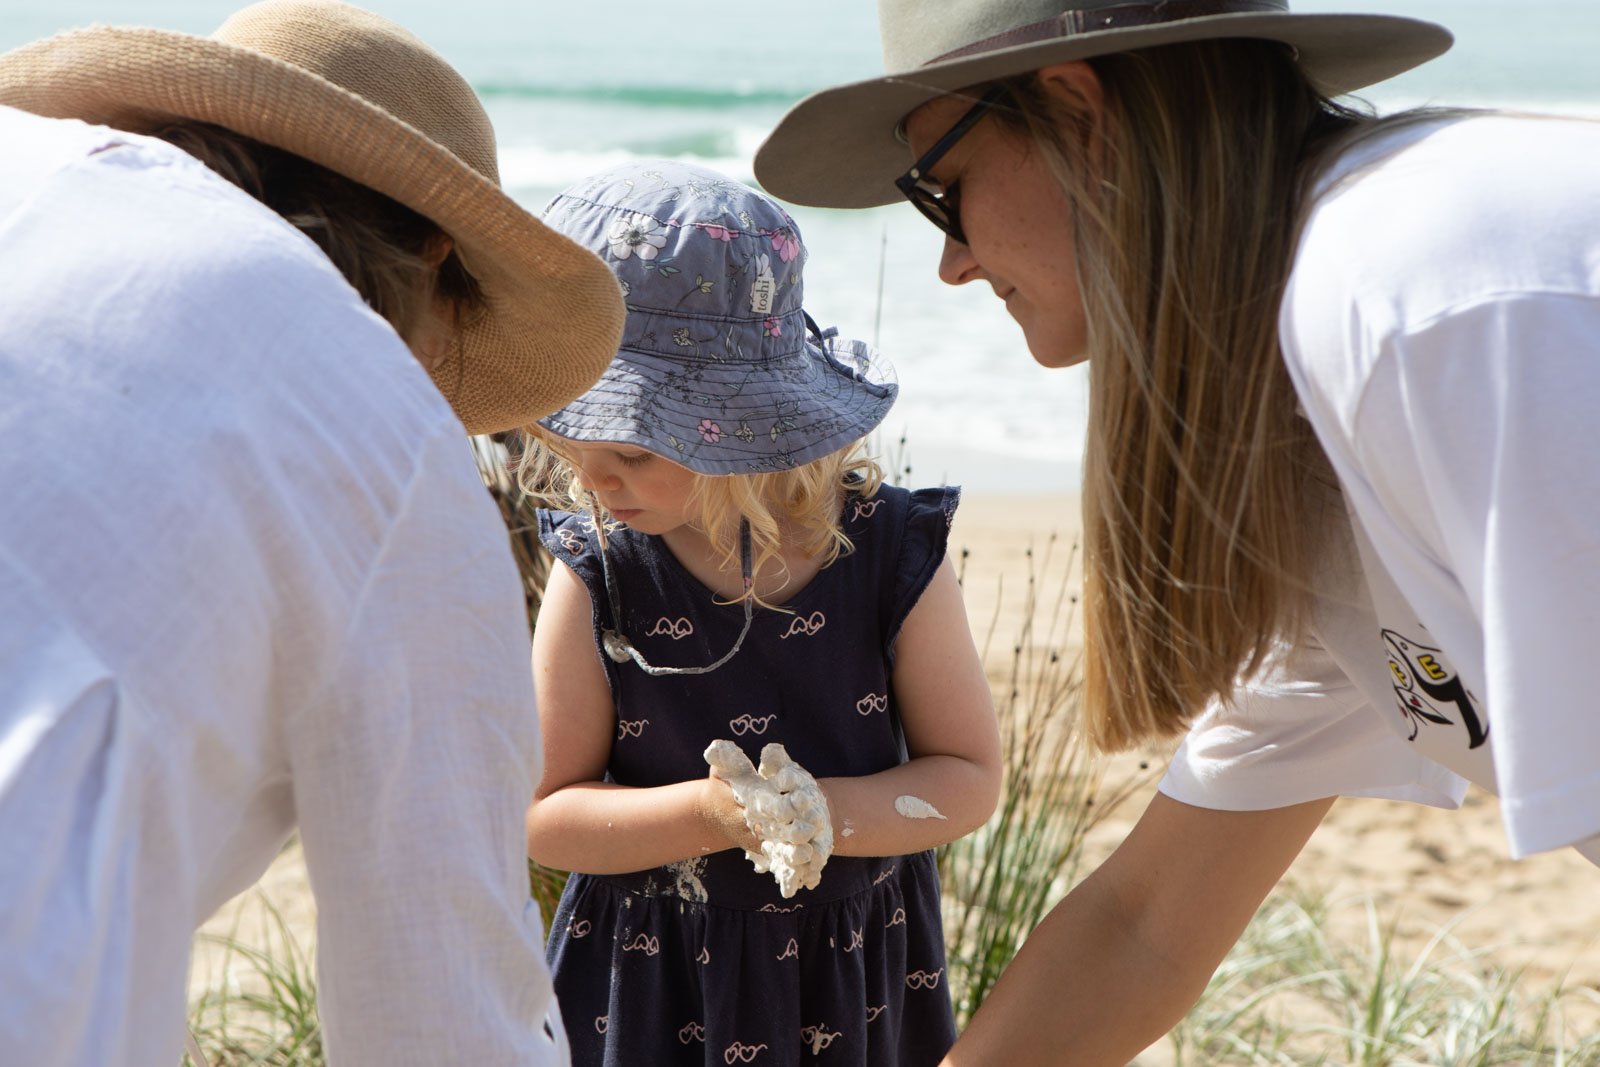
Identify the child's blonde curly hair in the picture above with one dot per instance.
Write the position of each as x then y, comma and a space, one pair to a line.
807, 499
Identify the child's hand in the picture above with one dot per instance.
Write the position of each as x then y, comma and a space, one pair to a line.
785, 807
724, 816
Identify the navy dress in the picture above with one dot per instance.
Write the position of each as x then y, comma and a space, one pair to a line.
703, 961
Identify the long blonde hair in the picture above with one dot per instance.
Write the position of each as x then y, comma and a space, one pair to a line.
1206, 497
807, 500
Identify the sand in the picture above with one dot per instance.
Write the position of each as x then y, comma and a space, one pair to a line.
1423, 868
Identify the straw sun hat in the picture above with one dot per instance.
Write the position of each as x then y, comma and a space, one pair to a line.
839, 148
363, 97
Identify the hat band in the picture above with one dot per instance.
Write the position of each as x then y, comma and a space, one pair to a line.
1116, 17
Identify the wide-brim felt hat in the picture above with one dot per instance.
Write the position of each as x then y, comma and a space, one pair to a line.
840, 147
720, 368
353, 92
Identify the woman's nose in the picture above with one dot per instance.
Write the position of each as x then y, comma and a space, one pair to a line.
957, 265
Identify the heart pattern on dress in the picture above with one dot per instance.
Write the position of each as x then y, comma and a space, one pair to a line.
872, 702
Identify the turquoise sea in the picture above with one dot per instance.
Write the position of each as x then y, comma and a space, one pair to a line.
575, 86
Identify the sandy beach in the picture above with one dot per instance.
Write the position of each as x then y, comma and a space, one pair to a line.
1422, 869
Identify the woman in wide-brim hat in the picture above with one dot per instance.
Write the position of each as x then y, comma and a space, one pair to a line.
253, 585
371, 143
1340, 368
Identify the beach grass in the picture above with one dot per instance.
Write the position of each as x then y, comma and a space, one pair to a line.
1291, 994
1298, 988
998, 883
261, 1009
1288, 995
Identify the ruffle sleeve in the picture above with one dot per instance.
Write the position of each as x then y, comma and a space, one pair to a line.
570, 539
924, 538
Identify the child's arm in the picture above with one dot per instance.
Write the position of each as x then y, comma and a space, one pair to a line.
948, 715
577, 821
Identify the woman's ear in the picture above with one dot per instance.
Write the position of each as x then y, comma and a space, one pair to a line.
439, 246
1075, 86
1074, 89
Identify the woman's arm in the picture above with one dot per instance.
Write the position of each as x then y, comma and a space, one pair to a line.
411, 772
1117, 963
578, 822
947, 712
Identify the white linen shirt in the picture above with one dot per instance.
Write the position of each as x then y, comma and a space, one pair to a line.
249, 581
1442, 327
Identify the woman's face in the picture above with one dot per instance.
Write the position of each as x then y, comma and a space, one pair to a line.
1018, 224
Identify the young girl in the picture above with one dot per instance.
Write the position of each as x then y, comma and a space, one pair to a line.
734, 570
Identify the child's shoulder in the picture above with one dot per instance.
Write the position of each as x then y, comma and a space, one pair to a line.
905, 508
568, 535
904, 534
571, 536
552, 521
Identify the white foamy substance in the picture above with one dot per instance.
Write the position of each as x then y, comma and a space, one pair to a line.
783, 806
686, 879
916, 808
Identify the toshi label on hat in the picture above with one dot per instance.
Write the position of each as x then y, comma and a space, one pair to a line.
764, 288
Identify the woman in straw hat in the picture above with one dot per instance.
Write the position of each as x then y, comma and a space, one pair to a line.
1340, 504
252, 581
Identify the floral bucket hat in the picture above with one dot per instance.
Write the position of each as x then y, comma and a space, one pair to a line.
720, 368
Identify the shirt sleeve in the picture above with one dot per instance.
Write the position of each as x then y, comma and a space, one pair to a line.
569, 538
924, 540
1298, 731
411, 780
1480, 489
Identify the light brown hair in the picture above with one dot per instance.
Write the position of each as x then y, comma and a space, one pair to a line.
1206, 496
380, 246
808, 500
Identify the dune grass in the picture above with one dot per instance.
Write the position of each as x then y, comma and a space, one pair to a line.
998, 883
1290, 993
261, 1009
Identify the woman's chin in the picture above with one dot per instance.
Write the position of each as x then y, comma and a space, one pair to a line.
1055, 355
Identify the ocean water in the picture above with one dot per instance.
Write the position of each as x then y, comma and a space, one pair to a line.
573, 87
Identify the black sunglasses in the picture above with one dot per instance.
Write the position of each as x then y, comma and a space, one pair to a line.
942, 206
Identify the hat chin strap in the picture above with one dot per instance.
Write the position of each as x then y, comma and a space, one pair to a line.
1113, 17
616, 643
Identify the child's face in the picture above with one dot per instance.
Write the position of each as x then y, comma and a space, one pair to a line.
638, 487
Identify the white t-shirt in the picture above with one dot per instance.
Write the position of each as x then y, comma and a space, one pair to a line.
1442, 327
249, 581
